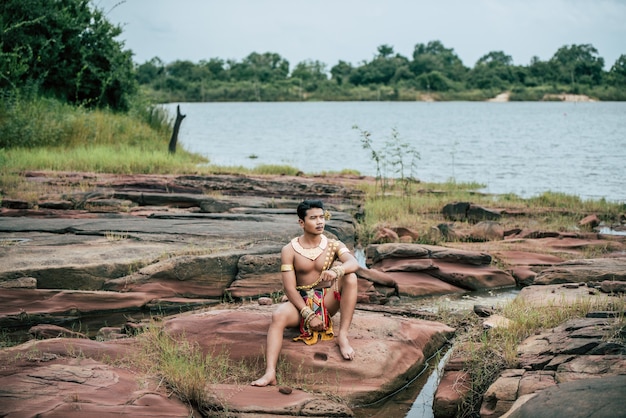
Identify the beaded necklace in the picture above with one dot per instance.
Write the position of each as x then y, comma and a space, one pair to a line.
310, 253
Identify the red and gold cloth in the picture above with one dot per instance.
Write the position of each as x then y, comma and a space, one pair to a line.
314, 298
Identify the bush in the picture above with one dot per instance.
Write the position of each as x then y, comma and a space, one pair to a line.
67, 49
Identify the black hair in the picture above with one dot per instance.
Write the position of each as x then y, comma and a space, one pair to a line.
308, 204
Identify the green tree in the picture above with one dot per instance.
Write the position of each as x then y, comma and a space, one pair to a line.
341, 72
310, 74
433, 81
185, 71
385, 51
385, 68
435, 57
215, 68
65, 48
578, 64
494, 70
263, 68
150, 71
539, 72
617, 74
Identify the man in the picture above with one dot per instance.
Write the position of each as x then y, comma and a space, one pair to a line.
317, 288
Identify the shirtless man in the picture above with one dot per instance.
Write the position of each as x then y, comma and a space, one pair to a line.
306, 267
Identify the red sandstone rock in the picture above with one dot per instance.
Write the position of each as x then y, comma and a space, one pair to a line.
590, 221
568, 352
487, 231
526, 258
44, 331
534, 381
452, 389
385, 235
581, 271
386, 347
406, 234
613, 286
421, 276
421, 284
79, 387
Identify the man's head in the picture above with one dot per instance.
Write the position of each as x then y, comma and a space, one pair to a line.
308, 204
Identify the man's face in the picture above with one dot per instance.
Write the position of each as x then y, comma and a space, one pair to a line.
314, 221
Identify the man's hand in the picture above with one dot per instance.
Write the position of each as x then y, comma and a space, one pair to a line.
328, 276
316, 324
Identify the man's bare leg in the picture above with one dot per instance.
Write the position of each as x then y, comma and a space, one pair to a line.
348, 303
282, 318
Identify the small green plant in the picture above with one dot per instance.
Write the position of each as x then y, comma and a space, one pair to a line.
377, 157
33, 353
227, 297
397, 158
6, 340
277, 296
72, 351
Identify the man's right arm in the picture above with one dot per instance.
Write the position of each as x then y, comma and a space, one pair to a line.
287, 258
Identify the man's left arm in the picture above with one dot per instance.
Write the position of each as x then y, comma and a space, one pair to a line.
348, 261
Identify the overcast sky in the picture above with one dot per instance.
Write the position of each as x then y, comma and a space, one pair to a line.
351, 30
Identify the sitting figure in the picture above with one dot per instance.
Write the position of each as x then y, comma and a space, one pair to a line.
319, 280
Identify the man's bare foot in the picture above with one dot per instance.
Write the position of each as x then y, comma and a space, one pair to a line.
346, 349
268, 379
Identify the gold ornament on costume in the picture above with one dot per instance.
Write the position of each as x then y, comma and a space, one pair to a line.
330, 257
310, 253
327, 215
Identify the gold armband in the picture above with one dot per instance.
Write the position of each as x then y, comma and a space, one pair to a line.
342, 251
286, 267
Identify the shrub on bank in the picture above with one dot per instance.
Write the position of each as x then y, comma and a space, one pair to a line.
45, 122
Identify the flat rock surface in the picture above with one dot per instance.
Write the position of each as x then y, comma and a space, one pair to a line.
46, 376
132, 247
598, 398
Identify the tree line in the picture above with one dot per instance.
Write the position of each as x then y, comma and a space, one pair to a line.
434, 71
67, 49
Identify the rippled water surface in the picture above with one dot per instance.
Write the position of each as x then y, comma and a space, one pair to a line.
525, 148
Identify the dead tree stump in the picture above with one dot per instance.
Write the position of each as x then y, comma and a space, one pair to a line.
174, 138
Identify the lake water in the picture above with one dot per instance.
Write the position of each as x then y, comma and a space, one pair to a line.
525, 148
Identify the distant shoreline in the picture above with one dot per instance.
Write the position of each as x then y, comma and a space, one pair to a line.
563, 97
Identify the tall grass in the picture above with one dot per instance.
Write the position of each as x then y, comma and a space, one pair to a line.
183, 366
574, 203
117, 159
42, 122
